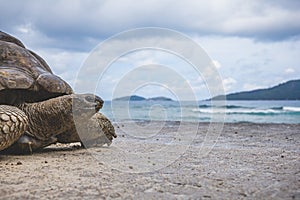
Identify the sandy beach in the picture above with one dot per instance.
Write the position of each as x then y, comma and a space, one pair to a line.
181, 161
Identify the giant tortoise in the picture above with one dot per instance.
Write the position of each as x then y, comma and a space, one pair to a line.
38, 108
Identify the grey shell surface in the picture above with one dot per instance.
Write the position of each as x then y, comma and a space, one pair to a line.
25, 76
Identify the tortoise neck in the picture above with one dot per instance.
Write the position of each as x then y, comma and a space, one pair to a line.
50, 117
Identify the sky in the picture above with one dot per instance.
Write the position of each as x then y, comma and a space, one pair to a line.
252, 44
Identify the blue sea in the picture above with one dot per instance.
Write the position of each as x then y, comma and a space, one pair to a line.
205, 111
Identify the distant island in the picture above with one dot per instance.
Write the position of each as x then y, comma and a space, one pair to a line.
139, 98
286, 91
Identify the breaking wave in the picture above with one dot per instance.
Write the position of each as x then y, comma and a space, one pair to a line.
232, 109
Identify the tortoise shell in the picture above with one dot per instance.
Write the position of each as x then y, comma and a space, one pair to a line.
25, 76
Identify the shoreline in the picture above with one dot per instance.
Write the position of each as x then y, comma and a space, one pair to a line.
201, 122
249, 160
192, 121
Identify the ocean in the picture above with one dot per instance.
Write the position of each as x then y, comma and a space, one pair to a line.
204, 111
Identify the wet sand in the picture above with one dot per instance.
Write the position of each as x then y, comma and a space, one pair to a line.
181, 161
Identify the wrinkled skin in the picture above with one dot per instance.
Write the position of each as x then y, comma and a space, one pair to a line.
50, 120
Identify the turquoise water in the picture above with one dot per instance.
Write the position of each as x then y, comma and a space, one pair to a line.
203, 111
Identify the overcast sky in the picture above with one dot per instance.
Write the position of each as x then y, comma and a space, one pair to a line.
253, 43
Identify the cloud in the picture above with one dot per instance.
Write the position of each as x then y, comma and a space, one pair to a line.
228, 83
249, 42
217, 64
289, 70
81, 21
245, 63
146, 57
256, 63
154, 78
250, 86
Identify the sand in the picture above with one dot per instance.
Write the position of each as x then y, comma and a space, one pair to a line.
176, 161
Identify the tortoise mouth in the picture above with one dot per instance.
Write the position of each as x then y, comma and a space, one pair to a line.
98, 106
86, 103
94, 100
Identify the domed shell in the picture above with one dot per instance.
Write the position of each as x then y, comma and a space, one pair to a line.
25, 76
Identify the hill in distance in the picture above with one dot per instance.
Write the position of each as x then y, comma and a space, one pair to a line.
139, 98
286, 91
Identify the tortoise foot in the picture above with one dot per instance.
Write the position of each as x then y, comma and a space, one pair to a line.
13, 123
100, 131
97, 131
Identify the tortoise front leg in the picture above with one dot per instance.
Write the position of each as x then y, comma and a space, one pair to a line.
13, 123
96, 131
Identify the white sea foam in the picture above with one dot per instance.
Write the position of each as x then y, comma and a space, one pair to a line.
237, 111
244, 110
293, 109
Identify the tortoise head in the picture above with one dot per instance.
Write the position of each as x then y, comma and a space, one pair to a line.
83, 108
87, 102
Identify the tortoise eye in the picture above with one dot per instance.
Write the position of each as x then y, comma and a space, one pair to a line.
89, 99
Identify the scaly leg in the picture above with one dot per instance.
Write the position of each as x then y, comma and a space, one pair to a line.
13, 123
97, 131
